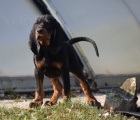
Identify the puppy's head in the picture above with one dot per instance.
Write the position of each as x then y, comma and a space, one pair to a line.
44, 29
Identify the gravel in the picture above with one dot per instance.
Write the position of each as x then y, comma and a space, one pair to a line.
23, 100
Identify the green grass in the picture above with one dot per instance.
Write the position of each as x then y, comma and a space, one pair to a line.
67, 111
9, 92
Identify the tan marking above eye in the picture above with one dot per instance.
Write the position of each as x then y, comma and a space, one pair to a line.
47, 21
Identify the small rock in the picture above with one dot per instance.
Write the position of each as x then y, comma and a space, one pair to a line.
106, 114
2, 95
10, 96
124, 98
24, 96
129, 86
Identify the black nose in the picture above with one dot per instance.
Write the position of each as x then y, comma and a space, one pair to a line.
39, 30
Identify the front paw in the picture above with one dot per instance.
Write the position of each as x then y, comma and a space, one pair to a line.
48, 103
35, 104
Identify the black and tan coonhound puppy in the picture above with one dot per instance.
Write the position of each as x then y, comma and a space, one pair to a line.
55, 57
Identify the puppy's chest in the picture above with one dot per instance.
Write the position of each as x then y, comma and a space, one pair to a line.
57, 64
53, 63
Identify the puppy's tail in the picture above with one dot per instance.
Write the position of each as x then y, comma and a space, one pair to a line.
78, 39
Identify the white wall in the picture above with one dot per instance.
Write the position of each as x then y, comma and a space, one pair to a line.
113, 24
16, 20
115, 27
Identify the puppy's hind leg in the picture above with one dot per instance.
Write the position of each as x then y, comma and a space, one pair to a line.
85, 87
66, 85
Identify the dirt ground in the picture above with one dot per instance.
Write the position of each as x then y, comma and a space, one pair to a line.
23, 101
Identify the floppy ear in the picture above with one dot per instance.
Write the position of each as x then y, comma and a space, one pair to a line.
33, 43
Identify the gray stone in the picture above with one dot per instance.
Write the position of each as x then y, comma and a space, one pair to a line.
123, 98
2, 94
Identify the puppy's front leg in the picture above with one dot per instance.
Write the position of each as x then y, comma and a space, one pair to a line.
57, 87
39, 92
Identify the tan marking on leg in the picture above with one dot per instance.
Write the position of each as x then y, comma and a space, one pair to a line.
88, 94
89, 97
57, 90
66, 98
40, 64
